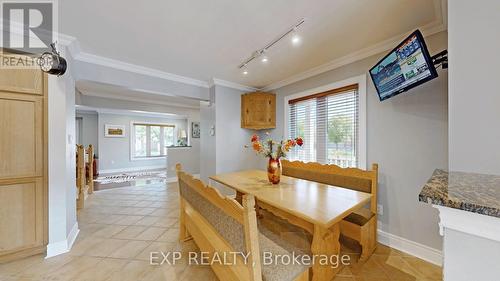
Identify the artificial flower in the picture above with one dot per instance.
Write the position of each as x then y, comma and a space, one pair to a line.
255, 138
299, 141
257, 146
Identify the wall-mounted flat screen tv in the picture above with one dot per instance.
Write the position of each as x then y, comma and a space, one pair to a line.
405, 67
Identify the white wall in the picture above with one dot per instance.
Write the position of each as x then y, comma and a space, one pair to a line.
406, 136
62, 189
207, 146
231, 138
115, 154
225, 152
188, 157
474, 97
89, 130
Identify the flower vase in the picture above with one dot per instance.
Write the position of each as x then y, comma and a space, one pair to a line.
274, 170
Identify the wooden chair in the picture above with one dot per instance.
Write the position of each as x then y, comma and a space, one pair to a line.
219, 225
80, 177
360, 225
90, 169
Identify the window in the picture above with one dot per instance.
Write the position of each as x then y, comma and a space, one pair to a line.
329, 124
150, 140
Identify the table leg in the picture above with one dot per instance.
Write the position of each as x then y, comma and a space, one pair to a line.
325, 243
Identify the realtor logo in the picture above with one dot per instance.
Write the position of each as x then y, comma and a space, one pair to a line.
28, 26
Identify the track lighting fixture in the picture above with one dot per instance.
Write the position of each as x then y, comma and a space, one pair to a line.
295, 38
52, 62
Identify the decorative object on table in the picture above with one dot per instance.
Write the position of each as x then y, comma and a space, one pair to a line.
274, 151
114, 131
182, 138
195, 130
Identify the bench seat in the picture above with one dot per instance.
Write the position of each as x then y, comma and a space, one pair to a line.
270, 242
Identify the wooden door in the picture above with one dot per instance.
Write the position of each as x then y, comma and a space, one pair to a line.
23, 163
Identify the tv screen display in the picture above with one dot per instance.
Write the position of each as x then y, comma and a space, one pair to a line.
405, 67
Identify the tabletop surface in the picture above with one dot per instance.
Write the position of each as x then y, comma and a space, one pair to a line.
314, 202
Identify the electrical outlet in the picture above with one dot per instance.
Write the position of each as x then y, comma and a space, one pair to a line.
380, 209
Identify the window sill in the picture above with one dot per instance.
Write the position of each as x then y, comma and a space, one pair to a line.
148, 158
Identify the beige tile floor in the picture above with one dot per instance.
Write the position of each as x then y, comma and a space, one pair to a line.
120, 227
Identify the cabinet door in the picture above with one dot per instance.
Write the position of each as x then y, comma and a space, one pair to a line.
21, 141
23, 164
259, 111
21, 215
29, 81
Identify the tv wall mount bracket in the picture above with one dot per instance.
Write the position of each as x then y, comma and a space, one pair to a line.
441, 59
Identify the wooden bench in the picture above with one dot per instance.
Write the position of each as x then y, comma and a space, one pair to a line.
219, 225
361, 225
84, 174
80, 177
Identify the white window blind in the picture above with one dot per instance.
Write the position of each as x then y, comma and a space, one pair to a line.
329, 124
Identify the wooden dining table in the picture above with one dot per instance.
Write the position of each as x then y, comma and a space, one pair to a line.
317, 208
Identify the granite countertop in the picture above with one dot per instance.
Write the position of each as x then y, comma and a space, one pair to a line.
478, 193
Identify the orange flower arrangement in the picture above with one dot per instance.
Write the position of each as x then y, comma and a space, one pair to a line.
272, 149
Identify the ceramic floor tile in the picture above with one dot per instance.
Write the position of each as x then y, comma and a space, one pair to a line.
132, 271
157, 248
147, 221
130, 249
128, 220
109, 231
166, 222
150, 234
105, 247
130, 232
429, 270
171, 235
74, 268
102, 271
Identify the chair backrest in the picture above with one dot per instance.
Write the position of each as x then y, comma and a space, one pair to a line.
352, 178
224, 225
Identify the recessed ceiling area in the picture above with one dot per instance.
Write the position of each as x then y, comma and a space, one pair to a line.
206, 39
90, 88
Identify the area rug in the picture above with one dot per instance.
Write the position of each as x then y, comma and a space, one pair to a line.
132, 176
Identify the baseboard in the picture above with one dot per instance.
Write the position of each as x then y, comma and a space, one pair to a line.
73, 234
132, 169
61, 247
410, 247
174, 179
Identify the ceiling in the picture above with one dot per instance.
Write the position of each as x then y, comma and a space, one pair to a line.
205, 39
91, 88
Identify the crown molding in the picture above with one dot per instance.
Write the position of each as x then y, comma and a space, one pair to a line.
233, 85
440, 24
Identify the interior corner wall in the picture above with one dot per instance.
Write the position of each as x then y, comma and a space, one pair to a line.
474, 96
207, 145
231, 139
225, 152
407, 137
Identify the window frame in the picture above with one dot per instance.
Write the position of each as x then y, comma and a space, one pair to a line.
361, 81
148, 128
